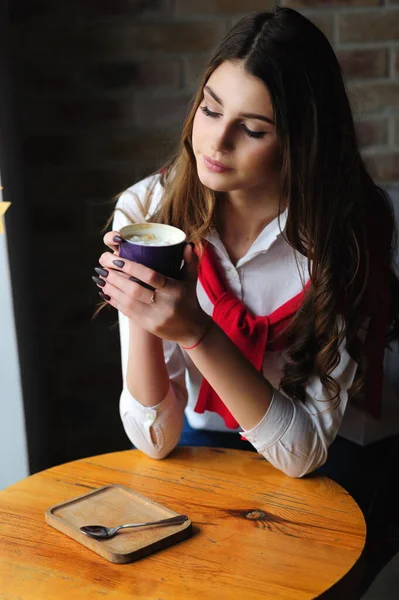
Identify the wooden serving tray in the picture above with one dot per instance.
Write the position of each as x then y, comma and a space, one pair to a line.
113, 505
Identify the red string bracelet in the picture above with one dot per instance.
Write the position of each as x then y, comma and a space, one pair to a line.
201, 338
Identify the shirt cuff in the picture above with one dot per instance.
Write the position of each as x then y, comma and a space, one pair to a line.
147, 415
274, 423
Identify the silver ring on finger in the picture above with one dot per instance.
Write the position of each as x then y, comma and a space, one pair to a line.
152, 297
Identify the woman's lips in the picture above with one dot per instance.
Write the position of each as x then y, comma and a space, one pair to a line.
215, 167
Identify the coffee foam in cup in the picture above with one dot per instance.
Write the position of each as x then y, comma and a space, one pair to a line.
149, 239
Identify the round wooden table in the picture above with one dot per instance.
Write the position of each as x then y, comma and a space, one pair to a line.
257, 533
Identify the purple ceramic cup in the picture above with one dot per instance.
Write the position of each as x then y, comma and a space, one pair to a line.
165, 258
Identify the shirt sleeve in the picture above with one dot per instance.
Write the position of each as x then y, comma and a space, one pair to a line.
154, 430
295, 436
130, 205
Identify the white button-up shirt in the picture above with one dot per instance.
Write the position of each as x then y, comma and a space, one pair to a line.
292, 435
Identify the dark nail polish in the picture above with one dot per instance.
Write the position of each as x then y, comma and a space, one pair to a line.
119, 263
104, 296
102, 272
98, 280
117, 239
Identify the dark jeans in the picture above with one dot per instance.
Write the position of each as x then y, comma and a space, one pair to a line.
368, 473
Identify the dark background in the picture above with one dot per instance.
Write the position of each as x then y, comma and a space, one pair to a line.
93, 96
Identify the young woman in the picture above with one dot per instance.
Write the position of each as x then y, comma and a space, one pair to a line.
276, 330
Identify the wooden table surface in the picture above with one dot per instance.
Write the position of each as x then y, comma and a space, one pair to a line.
257, 533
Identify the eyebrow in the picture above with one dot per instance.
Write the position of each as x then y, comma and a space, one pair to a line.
246, 115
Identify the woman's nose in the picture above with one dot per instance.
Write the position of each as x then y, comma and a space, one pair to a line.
223, 138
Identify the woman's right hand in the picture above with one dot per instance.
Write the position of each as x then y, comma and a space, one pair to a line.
112, 239
166, 307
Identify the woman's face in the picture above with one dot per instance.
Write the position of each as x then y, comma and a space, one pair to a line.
234, 125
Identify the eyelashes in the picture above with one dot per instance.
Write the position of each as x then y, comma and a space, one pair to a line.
249, 133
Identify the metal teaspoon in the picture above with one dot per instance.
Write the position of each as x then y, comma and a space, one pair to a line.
100, 532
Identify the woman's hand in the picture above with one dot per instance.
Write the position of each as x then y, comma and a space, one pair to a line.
174, 314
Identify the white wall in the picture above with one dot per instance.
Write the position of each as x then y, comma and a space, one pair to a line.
13, 446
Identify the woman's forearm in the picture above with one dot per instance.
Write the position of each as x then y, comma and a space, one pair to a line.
244, 391
147, 376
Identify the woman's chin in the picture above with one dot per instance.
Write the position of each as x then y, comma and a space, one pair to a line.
212, 181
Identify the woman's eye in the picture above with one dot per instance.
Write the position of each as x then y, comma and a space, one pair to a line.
207, 112
253, 134
249, 133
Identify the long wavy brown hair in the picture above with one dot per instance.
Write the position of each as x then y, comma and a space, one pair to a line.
329, 192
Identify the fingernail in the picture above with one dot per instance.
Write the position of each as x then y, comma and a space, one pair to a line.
117, 239
102, 272
98, 280
119, 263
104, 296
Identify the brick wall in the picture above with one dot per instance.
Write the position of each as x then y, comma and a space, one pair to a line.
365, 36
101, 87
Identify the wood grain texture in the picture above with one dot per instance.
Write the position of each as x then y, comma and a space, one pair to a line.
256, 533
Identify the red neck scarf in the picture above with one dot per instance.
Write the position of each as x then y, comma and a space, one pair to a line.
255, 335
251, 334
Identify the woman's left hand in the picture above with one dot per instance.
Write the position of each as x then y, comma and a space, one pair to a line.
174, 314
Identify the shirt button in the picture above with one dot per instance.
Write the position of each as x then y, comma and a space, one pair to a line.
150, 418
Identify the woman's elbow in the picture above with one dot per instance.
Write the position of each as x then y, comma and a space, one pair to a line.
158, 453
152, 445
301, 469
298, 466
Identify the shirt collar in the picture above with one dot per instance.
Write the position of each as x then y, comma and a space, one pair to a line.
262, 243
